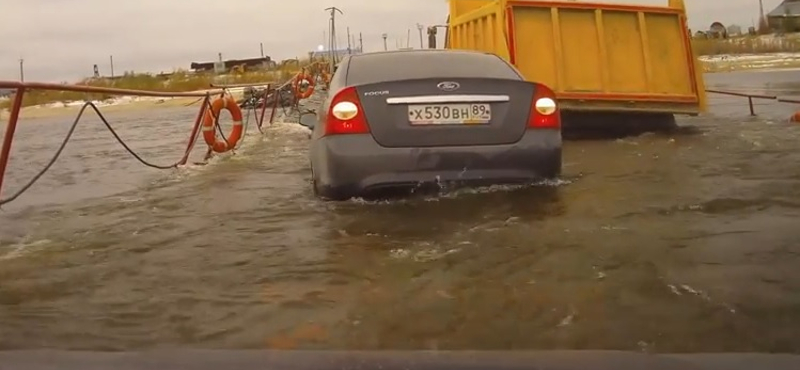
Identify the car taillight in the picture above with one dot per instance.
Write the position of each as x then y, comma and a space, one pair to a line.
346, 115
544, 109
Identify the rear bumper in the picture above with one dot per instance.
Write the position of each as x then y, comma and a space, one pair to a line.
355, 165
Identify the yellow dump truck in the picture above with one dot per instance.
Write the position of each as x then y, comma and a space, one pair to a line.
597, 57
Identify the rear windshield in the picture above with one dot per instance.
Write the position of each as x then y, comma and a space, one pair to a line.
401, 65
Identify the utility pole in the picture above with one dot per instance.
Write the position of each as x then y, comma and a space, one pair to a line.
262, 50
408, 38
360, 43
349, 45
333, 11
419, 28
763, 26
21, 70
385, 46
111, 59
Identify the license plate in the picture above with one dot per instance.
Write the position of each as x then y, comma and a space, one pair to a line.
449, 114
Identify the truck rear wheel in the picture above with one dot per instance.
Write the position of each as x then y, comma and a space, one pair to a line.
580, 124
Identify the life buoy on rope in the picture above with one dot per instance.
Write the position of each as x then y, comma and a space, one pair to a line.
210, 130
303, 86
795, 117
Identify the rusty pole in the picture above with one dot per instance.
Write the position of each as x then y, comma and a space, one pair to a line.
264, 105
5, 152
197, 123
332, 50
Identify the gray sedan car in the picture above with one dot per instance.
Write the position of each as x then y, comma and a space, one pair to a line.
405, 119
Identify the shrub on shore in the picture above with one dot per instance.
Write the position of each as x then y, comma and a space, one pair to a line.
746, 45
180, 81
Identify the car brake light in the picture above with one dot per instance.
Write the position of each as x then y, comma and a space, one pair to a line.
544, 109
346, 115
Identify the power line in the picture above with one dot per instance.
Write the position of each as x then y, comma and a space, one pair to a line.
332, 42
419, 28
349, 45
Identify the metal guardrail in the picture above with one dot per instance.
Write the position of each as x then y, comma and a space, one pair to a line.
749, 97
21, 87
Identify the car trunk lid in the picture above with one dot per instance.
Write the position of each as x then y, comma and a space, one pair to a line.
456, 112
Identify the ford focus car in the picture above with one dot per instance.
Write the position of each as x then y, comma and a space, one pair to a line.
405, 119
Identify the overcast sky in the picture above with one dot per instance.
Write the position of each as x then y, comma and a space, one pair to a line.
61, 39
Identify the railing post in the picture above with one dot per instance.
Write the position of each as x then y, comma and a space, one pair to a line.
264, 106
750, 102
197, 123
277, 94
5, 152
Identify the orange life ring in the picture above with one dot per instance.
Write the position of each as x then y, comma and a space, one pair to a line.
209, 126
795, 117
300, 91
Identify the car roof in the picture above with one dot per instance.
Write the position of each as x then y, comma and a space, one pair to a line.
390, 53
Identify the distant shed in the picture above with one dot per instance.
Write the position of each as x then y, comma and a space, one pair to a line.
785, 17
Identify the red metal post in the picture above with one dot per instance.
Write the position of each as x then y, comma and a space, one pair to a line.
5, 152
102, 90
197, 123
274, 106
264, 107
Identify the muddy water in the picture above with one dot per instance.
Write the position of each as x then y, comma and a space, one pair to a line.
680, 242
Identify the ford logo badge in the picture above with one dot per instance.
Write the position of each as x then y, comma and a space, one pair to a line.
448, 86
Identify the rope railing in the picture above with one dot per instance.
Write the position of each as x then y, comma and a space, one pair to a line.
749, 97
205, 116
16, 107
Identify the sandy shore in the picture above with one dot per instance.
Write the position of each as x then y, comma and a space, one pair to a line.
749, 62
72, 109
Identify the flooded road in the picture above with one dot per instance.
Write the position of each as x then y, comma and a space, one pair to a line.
667, 243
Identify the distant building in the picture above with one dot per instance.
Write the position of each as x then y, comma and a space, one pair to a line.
785, 17
227, 65
734, 30
340, 53
717, 31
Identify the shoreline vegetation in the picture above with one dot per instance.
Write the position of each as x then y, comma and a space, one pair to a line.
748, 53
715, 56
43, 103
